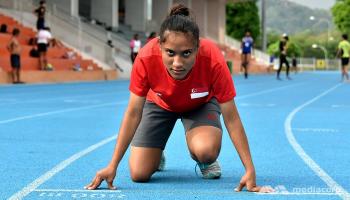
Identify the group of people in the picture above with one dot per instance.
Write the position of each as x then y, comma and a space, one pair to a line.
42, 40
43, 37
247, 46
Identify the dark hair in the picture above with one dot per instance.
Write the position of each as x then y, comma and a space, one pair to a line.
15, 32
180, 19
152, 35
345, 36
136, 36
42, 2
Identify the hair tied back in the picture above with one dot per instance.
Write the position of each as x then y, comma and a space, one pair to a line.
179, 9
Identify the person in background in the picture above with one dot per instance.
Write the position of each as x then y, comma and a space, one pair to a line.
151, 36
44, 38
283, 48
179, 76
295, 64
344, 54
247, 46
135, 46
40, 13
15, 51
112, 57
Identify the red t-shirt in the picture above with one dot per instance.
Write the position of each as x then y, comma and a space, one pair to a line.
209, 77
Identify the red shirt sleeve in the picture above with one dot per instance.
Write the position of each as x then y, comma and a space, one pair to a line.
139, 83
222, 83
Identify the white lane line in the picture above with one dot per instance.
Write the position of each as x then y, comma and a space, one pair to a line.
265, 91
17, 101
59, 111
85, 191
186, 191
36, 183
316, 130
43, 178
334, 186
299, 194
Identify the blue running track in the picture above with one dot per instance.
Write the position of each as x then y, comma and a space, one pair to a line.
53, 138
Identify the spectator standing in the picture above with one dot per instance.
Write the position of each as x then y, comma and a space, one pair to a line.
44, 38
135, 46
15, 51
247, 47
151, 36
40, 13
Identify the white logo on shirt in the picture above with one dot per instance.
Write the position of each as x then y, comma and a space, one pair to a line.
199, 93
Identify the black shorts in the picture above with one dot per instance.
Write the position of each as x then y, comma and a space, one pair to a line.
40, 24
15, 61
157, 124
344, 61
42, 47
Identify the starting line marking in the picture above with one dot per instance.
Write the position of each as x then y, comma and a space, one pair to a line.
43, 178
76, 193
68, 190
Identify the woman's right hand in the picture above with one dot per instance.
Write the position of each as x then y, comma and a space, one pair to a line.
108, 174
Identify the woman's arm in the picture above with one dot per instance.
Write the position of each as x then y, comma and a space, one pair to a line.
131, 120
127, 130
239, 139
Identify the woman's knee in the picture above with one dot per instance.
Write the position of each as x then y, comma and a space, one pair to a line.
143, 163
139, 174
204, 144
205, 153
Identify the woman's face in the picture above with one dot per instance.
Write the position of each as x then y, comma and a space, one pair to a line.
178, 53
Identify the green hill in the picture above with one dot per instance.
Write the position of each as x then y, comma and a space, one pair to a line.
283, 16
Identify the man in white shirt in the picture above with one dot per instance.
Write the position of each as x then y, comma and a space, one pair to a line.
44, 38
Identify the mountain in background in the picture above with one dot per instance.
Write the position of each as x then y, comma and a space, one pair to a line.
283, 16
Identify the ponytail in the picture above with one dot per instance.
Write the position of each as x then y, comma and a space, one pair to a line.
180, 19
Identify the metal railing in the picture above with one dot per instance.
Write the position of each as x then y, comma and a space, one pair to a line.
259, 55
313, 64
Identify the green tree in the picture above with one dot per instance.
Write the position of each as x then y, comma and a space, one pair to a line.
242, 16
341, 15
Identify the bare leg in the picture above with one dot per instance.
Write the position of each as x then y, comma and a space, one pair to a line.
204, 143
44, 60
345, 72
144, 162
18, 76
13, 76
41, 62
